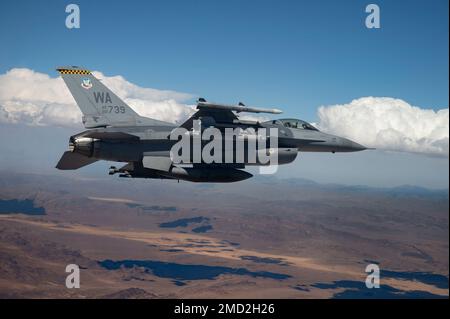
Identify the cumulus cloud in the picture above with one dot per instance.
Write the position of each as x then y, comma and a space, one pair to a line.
385, 123
36, 98
389, 124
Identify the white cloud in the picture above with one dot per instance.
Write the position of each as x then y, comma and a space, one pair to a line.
389, 124
35, 98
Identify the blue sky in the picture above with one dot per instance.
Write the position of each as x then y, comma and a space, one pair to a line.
296, 55
293, 55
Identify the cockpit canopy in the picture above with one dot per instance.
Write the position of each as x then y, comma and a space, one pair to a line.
295, 123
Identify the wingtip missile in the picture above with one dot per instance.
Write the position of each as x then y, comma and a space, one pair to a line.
277, 111
202, 103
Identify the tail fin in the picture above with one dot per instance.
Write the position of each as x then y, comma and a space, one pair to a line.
99, 105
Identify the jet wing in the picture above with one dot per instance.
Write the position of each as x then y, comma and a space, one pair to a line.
210, 117
212, 113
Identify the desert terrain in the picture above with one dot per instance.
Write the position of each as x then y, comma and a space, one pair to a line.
263, 238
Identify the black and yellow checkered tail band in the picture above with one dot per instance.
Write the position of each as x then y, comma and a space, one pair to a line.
69, 71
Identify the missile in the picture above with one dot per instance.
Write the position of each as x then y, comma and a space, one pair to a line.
203, 104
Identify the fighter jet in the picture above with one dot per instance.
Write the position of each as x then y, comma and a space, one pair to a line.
115, 132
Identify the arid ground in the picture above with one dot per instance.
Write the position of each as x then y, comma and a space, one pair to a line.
263, 238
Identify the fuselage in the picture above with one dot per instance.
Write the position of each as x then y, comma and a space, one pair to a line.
155, 141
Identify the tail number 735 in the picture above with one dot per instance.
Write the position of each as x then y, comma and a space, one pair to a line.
113, 109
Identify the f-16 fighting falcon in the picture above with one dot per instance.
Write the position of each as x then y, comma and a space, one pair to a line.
117, 133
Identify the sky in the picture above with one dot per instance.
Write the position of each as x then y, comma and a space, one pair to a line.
316, 60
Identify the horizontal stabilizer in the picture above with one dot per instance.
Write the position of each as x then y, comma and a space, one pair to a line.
71, 160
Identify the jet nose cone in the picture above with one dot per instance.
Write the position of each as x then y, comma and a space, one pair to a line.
358, 147
353, 146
